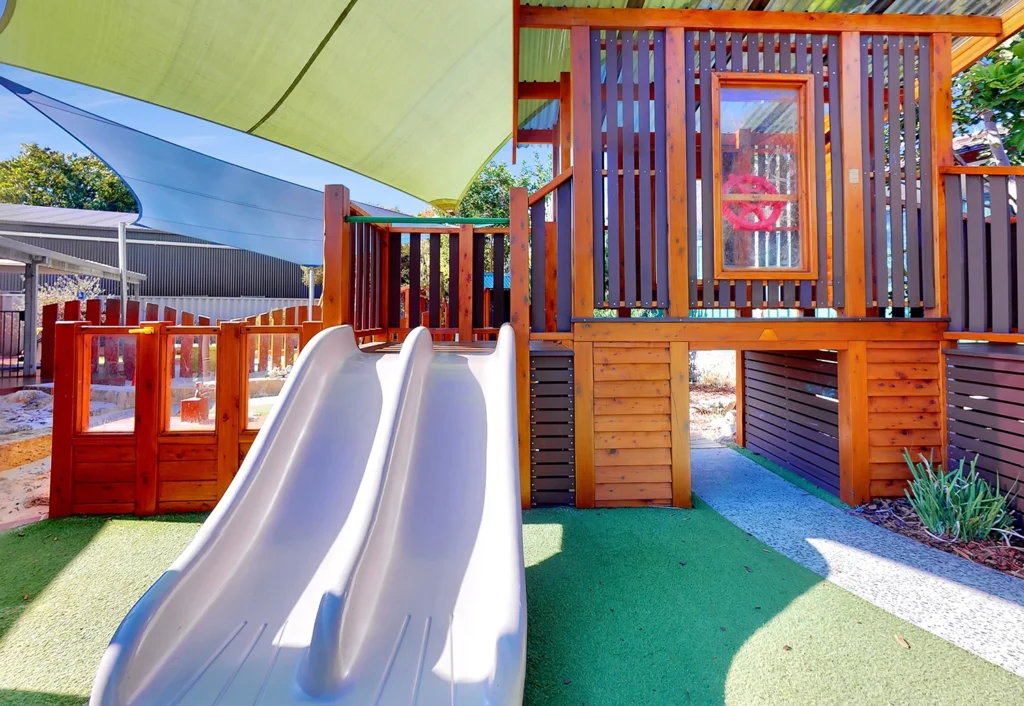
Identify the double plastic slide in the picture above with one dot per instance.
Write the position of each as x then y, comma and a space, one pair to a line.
369, 551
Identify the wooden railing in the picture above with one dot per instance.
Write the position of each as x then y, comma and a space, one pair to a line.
156, 417
984, 255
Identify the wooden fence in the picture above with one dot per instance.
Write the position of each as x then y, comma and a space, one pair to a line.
167, 445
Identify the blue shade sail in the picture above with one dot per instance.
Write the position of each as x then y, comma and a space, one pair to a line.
192, 194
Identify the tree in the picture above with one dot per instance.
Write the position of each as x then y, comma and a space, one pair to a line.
40, 176
487, 196
990, 95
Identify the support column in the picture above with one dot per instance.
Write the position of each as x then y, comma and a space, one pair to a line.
854, 446
941, 156
679, 392
29, 345
337, 288
519, 318
582, 176
853, 104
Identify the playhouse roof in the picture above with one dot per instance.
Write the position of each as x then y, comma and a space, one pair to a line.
413, 94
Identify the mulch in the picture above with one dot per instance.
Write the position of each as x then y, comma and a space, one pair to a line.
898, 515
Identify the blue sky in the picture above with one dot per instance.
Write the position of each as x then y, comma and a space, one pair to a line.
19, 123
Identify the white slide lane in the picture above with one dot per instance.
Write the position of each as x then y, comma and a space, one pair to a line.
369, 551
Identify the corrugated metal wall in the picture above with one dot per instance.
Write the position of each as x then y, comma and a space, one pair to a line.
791, 412
174, 266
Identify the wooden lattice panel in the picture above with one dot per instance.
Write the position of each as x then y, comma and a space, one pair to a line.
904, 410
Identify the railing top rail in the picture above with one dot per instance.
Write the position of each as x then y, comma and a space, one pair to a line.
983, 171
439, 220
270, 330
192, 330
550, 186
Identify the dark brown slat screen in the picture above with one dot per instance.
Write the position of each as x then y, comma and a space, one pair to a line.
552, 430
985, 397
791, 412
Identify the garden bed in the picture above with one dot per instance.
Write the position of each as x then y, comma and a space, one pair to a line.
897, 515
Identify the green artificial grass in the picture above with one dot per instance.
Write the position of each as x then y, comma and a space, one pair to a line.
793, 478
614, 616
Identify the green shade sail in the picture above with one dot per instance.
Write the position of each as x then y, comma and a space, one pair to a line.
413, 94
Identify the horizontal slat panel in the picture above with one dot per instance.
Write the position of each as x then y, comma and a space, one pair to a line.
171, 491
634, 491
632, 457
606, 355
187, 470
104, 472
631, 371
633, 474
187, 452
107, 453
634, 388
633, 440
633, 422
632, 405
92, 493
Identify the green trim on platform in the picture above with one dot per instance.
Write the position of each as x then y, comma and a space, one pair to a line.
425, 221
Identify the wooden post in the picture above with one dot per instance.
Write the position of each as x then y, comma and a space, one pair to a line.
519, 317
309, 330
337, 288
550, 276
231, 368
151, 387
679, 392
564, 121
583, 406
466, 239
853, 104
46, 360
854, 451
942, 156
66, 391
583, 178
675, 149
741, 439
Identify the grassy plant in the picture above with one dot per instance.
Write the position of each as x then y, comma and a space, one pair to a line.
957, 504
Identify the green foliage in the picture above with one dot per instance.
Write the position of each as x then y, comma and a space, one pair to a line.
40, 176
958, 504
992, 91
487, 196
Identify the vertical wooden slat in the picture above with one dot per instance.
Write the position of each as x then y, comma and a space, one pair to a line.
479, 243
364, 276
519, 315
382, 273
935, 57
583, 402
356, 272
150, 387
434, 292
820, 188
277, 318
111, 352
736, 51
957, 254
1001, 286
395, 278
741, 397
66, 389
854, 461
645, 296
337, 287
588, 158
550, 271
564, 120
741, 294
629, 214
290, 319
878, 166
977, 256
538, 269
836, 123
661, 155
785, 53
754, 66
1018, 246
613, 160
769, 53
706, 169
789, 293
412, 309
895, 172
910, 151
860, 96
563, 237
498, 290
687, 170
454, 281
465, 288
231, 369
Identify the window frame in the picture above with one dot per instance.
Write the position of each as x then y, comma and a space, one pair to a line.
806, 180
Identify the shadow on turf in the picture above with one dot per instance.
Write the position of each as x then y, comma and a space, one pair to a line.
615, 618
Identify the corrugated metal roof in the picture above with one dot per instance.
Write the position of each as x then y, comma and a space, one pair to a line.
544, 53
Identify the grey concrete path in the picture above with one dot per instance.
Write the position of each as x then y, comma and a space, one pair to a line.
971, 606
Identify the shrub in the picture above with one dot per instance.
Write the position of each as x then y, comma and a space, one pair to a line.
958, 504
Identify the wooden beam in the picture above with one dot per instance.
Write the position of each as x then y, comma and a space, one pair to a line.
337, 287
535, 137
852, 104
538, 90
232, 367
981, 171
465, 276
519, 318
679, 393
974, 49
516, 10
583, 194
151, 386
675, 149
746, 21
730, 334
942, 158
583, 403
854, 461
550, 186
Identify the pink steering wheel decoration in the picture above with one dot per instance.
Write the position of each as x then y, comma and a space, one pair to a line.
751, 215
